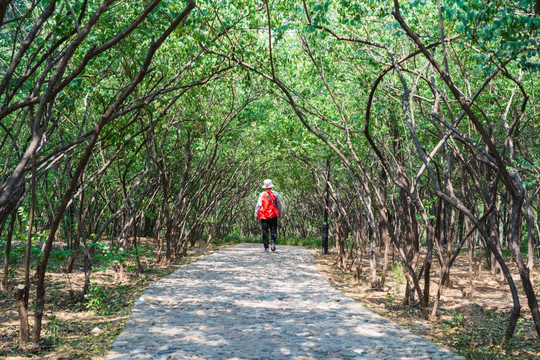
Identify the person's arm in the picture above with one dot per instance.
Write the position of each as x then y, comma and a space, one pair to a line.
279, 203
258, 206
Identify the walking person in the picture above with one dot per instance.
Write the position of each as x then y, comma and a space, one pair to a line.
268, 209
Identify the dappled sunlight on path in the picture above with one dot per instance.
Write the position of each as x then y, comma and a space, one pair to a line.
241, 303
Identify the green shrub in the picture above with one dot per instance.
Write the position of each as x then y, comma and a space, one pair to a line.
399, 276
52, 328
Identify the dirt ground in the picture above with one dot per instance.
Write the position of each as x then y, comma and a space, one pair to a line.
472, 325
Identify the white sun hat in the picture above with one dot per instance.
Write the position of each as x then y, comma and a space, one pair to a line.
267, 184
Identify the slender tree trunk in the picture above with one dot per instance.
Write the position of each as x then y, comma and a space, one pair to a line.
72, 258
438, 234
22, 292
538, 221
427, 270
75, 245
29, 238
451, 235
24, 330
523, 270
383, 230
11, 228
386, 241
157, 234
136, 248
87, 264
532, 231
409, 227
470, 244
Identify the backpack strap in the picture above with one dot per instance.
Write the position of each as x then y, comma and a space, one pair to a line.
272, 200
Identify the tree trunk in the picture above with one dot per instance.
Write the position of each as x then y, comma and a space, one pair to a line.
29, 239
11, 227
383, 230
3, 7
24, 331
470, 290
523, 270
136, 248
532, 231
87, 264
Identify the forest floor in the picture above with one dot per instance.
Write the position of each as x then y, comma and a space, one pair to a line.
472, 325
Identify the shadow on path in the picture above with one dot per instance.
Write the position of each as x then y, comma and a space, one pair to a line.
241, 303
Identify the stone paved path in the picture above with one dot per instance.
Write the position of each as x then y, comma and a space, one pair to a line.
240, 303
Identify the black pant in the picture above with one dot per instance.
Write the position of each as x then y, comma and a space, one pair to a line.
269, 224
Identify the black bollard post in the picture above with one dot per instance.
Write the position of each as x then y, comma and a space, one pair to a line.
324, 231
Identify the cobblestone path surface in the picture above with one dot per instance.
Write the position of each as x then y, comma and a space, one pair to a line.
242, 303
